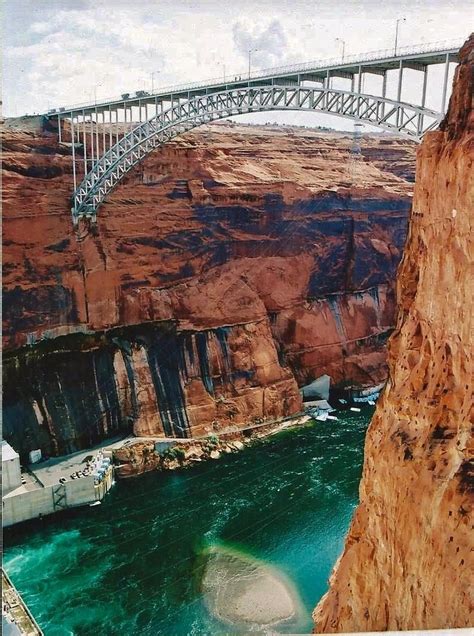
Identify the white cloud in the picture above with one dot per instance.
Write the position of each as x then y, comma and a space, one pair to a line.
59, 52
40, 27
268, 44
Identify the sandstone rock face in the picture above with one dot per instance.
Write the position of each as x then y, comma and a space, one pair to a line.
229, 267
407, 562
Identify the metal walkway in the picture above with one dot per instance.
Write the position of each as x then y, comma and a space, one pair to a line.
17, 619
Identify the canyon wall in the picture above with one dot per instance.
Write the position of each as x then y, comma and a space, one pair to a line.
408, 559
230, 267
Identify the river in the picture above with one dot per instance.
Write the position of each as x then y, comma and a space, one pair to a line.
132, 565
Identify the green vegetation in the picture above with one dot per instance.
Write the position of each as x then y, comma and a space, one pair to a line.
175, 452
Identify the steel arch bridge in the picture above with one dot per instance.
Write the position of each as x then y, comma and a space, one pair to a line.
110, 137
412, 121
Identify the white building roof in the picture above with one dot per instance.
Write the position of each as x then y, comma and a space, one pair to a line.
8, 452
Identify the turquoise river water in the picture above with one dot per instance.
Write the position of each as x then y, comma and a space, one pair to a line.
130, 566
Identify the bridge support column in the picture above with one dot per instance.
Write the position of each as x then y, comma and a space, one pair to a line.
445, 85
399, 91
423, 99
400, 81
359, 87
384, 92
359, 82
73, 137
97, 152
92, 140
423, 90
103, 132
84, 141
110, 127
59, 128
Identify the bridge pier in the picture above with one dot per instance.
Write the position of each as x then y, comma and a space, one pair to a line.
445, 85
73, 138
84, 141
97, 149
399, 90
384, 91
400, 81
423, 98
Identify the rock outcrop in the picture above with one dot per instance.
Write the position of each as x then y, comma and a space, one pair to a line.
407, 562
229, 267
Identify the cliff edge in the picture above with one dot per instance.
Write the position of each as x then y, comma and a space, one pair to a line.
408, 560
232, 266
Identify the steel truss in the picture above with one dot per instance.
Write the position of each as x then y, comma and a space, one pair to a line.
108, 170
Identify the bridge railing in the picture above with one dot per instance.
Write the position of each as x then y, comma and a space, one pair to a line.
350, 60
315, 65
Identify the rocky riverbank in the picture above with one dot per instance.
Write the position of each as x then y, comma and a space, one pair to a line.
138, 456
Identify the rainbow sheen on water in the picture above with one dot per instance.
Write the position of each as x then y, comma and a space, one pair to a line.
131, 565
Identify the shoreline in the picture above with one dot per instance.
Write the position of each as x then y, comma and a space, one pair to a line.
139, 455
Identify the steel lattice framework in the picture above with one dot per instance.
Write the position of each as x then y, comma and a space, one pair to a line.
412, 121
109, 137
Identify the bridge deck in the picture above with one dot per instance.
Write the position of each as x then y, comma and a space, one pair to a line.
378, 62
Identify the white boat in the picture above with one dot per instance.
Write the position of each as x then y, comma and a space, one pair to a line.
322, 417
355, 409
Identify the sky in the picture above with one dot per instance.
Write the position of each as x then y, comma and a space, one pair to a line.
58, 52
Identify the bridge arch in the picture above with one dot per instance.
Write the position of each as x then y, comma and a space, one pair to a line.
402, 118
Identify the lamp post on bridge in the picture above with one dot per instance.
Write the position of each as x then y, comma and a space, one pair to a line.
223, 68
95, 91
396, 33
153, 79
250, 54
343, 42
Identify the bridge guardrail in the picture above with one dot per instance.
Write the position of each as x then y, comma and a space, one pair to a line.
316, 65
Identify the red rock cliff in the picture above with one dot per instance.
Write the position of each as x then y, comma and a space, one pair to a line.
407, 562
231, 266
